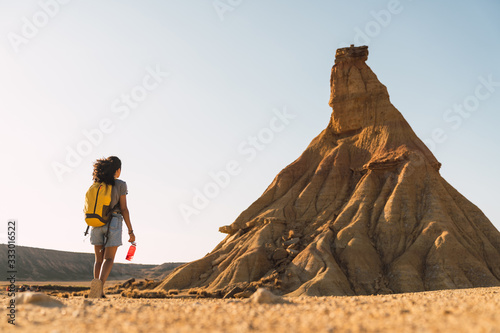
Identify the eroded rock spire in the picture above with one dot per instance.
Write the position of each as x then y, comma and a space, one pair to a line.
363, 210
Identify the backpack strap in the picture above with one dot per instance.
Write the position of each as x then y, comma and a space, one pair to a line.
86, 231
106, 236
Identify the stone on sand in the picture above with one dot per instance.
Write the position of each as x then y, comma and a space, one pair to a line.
39, 299
265, 296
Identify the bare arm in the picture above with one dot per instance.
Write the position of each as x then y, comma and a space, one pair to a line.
126, 217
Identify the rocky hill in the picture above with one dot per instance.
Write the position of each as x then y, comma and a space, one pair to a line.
364, 210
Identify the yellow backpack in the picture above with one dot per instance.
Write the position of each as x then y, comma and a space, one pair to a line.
97, 205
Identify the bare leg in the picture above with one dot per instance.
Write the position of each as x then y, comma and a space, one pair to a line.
109, 257
99, 255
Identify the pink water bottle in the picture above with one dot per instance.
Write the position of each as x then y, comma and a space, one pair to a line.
131, 251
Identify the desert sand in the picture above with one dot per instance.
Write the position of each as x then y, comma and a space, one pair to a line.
459, 310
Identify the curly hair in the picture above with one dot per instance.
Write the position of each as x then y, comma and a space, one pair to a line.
105, 169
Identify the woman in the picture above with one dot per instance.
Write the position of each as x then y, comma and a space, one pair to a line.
107, 170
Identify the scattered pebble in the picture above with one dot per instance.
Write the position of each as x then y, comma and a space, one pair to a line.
264, 296
39, 299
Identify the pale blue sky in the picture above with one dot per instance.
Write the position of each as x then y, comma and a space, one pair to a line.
226, 80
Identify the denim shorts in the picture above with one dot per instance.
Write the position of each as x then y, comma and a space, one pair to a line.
98, 234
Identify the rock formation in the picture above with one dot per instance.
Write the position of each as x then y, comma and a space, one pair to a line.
363, 210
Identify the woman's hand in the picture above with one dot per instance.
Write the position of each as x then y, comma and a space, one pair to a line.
131, 237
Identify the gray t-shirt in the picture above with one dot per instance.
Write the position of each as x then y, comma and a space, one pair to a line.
119, 189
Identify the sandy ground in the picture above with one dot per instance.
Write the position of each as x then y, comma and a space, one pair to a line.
466, 310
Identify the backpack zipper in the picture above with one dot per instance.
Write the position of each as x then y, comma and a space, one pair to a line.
96, 197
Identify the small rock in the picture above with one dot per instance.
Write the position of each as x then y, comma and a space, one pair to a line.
279, 253
292, 241
293, 252
226, 229
128, 283
39, 299
233, 292
243, 294
282, 261
264, 296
